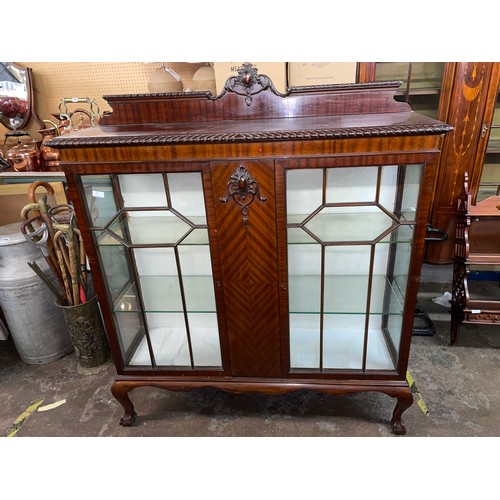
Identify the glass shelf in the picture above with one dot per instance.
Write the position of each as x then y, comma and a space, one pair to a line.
342, 224
350, 228
344, 295
162, 294
153, 230
493, 147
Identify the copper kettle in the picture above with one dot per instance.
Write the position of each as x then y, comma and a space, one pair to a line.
24, 155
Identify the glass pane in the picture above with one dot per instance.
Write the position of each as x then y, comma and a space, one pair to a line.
159, 280
143, 190
351, 184
304, 193
385, 71
343, 341
168, 339
204, 332
401, 247
305, 341
424, 75
99, 198
489, 184
186, 195
130, 333
346, 279
149, 227
397, 261
357, 223
408, 177
114, 264
388, 188
197, 278
304, 278
422, 83
298, 235
411, 191
490, 178
377, 353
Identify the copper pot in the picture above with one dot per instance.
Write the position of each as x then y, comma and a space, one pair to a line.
24, 155
49, 157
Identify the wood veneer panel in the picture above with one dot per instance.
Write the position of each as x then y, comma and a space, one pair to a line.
249, 271
467, 108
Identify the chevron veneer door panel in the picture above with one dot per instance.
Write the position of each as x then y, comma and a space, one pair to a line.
246, 226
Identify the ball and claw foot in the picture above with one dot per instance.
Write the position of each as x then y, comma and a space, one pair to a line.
398, 428
405, 400
128, 419
120, 392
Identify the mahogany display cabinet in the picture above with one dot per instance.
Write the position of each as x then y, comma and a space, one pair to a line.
254, 241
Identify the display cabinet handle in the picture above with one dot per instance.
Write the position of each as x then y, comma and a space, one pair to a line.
431, 230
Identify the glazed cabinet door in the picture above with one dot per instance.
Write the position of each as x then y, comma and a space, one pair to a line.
348, 239
150, 232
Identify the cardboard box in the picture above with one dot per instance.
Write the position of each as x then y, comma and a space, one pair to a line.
276, 71
321, 73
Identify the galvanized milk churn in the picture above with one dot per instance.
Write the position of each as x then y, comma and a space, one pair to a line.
37, 326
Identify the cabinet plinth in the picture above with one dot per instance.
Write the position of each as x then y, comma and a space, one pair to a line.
254, 241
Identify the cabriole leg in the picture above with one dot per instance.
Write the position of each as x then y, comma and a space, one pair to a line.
405, 400
120, 392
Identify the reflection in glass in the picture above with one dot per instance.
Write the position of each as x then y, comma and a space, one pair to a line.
99, 197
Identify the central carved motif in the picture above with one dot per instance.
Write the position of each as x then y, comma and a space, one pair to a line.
243, 189
249, 83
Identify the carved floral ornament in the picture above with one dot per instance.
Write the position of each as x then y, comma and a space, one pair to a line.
243, 189
249, 83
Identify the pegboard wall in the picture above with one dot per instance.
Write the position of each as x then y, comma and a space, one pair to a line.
54, 81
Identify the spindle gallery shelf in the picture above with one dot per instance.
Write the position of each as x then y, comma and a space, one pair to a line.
477, 248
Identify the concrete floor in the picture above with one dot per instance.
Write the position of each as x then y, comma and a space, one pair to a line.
458, 385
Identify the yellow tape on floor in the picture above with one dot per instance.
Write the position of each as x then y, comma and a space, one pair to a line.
14, 428
414, 390
52, 405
